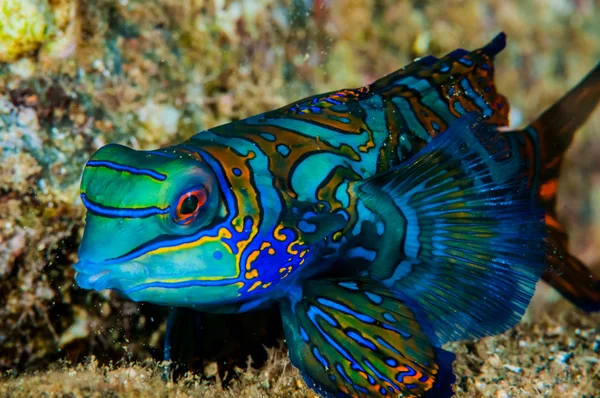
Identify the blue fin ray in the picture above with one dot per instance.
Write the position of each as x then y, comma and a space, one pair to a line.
475, 238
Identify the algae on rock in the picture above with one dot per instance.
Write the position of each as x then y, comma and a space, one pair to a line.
29, 25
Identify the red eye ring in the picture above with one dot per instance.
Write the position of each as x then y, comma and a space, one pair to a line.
189, 205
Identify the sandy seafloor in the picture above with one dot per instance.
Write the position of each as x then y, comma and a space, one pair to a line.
77, 74
556, 356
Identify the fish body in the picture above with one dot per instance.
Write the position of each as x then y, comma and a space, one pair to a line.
384, 221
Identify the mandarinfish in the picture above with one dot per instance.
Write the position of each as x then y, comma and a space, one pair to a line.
384, 221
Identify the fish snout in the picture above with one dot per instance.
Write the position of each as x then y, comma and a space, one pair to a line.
101, 276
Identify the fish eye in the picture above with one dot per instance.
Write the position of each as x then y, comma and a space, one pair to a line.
189, 205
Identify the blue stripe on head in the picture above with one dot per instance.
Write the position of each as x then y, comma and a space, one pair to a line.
122, 212
179, 285
128, 169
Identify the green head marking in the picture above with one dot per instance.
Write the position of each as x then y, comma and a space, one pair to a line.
155, 228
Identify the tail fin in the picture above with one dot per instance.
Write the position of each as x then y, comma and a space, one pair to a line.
567, 274
556, 127
554, 130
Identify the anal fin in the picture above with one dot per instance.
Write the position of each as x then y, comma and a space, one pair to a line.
355, 338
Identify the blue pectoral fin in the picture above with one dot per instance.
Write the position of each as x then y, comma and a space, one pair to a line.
474, 243
354, 337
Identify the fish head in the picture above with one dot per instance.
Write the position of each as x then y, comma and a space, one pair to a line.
154, 230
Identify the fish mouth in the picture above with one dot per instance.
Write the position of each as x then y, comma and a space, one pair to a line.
101, 276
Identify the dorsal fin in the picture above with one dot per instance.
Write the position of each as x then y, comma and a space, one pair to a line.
418, 102
458, 83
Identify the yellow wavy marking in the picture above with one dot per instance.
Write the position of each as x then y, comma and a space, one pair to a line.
282, 270
289, 271
289, 248
266, 285
365, 148
303, 253
242, 247
271, 251
256, 284
265, 245
252, 274
251, 258
238, 224
223, 233
246, 203
370, 142
277, 233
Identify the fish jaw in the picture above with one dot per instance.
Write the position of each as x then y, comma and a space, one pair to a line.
134, 281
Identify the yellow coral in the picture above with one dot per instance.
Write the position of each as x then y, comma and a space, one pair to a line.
23, 27
27, 25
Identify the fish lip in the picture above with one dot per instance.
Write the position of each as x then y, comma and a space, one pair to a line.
93, 276
100, 276
97, 281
